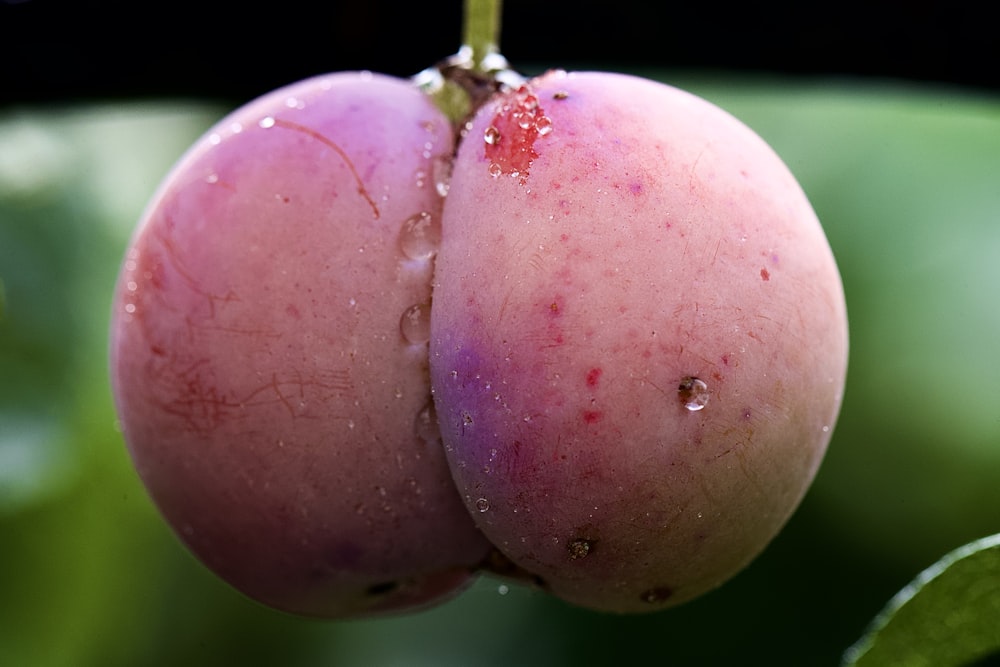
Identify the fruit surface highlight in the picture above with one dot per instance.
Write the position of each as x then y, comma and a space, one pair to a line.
592, 337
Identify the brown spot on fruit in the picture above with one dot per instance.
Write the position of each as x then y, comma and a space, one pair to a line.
765, 275
580, 547
594, 377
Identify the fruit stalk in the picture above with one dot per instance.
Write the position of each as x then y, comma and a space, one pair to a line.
481, 31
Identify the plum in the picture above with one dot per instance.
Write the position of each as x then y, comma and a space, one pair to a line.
269, 351
638, 342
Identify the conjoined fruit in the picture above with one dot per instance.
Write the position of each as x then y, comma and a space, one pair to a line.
608, 361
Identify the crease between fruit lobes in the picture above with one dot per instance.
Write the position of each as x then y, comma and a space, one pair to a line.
636, 339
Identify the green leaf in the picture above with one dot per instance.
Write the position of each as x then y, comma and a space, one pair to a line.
949, 615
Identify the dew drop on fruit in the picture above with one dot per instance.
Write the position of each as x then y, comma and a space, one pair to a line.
693, 393
482, 505
426, 424
415, 324
441, 173
543, 125
495, 170
420, 236
492, 135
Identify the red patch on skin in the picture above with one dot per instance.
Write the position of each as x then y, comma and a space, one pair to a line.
594, 377
510, 138
592, 416
765, 275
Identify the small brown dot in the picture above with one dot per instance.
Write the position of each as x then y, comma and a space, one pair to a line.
560, 95
382, 588
580, 547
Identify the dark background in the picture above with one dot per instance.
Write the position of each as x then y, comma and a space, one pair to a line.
70, 50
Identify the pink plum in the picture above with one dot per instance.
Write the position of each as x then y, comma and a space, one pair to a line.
269, 351
639, 338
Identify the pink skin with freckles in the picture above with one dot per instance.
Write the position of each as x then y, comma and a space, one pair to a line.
271, 404
607, 239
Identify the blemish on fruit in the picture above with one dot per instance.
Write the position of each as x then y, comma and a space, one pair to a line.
580, 547
693, 393
382, 588
594, 377
592, 416
560, 95
509, 140
765, 275
289, 125
657, 595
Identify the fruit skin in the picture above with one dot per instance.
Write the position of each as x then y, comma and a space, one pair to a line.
592, 264
269, 401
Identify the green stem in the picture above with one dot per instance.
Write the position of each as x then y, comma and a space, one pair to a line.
481, 31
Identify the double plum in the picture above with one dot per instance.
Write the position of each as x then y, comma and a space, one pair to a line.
609, 361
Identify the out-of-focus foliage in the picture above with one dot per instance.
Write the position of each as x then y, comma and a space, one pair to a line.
907, 184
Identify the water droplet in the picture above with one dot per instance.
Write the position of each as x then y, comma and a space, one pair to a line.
441, 173
495, 170
503, 589
214, 139
266, 122
236, 127
429, 80
426, 424
580, 547
544, 125
420, 236
350, 424
693, 393
415, 324
482, 505
420, 176
491, 135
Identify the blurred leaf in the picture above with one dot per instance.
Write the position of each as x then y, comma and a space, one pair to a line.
948, 616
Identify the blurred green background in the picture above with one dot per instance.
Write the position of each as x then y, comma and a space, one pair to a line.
907, 183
